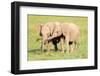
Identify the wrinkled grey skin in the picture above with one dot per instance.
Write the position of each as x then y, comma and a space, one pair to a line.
65, 33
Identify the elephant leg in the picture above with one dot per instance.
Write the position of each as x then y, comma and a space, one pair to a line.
48, 47
72, 48
67, 44
76, 45
42, 46
62, 45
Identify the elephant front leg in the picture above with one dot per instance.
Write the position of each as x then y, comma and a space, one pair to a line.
42, 46
62, 45
48, 47
67, 44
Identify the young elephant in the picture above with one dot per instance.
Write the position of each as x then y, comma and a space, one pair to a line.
47, 30
69, 33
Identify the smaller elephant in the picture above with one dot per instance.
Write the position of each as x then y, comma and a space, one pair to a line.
47, 30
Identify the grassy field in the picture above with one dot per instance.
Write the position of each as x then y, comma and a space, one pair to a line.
34, 52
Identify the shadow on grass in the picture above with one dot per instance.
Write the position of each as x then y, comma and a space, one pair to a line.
39, 51
35, 51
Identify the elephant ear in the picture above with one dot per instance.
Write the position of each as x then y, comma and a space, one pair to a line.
40, 29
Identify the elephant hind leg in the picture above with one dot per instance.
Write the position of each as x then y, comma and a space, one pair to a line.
76, 45
62, 45
71, 46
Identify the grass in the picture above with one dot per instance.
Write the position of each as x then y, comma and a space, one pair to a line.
34, 52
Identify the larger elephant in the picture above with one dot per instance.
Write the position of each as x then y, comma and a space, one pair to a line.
69, 33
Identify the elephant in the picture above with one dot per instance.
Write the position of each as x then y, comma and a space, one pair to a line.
47, 30
69, 34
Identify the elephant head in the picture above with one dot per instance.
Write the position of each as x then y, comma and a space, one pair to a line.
44, 32
48, 30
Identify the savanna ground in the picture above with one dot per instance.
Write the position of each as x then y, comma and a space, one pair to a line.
34, 51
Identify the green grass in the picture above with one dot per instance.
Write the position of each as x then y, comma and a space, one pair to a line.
34, 52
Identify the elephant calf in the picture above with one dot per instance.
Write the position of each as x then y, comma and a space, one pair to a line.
47, 30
